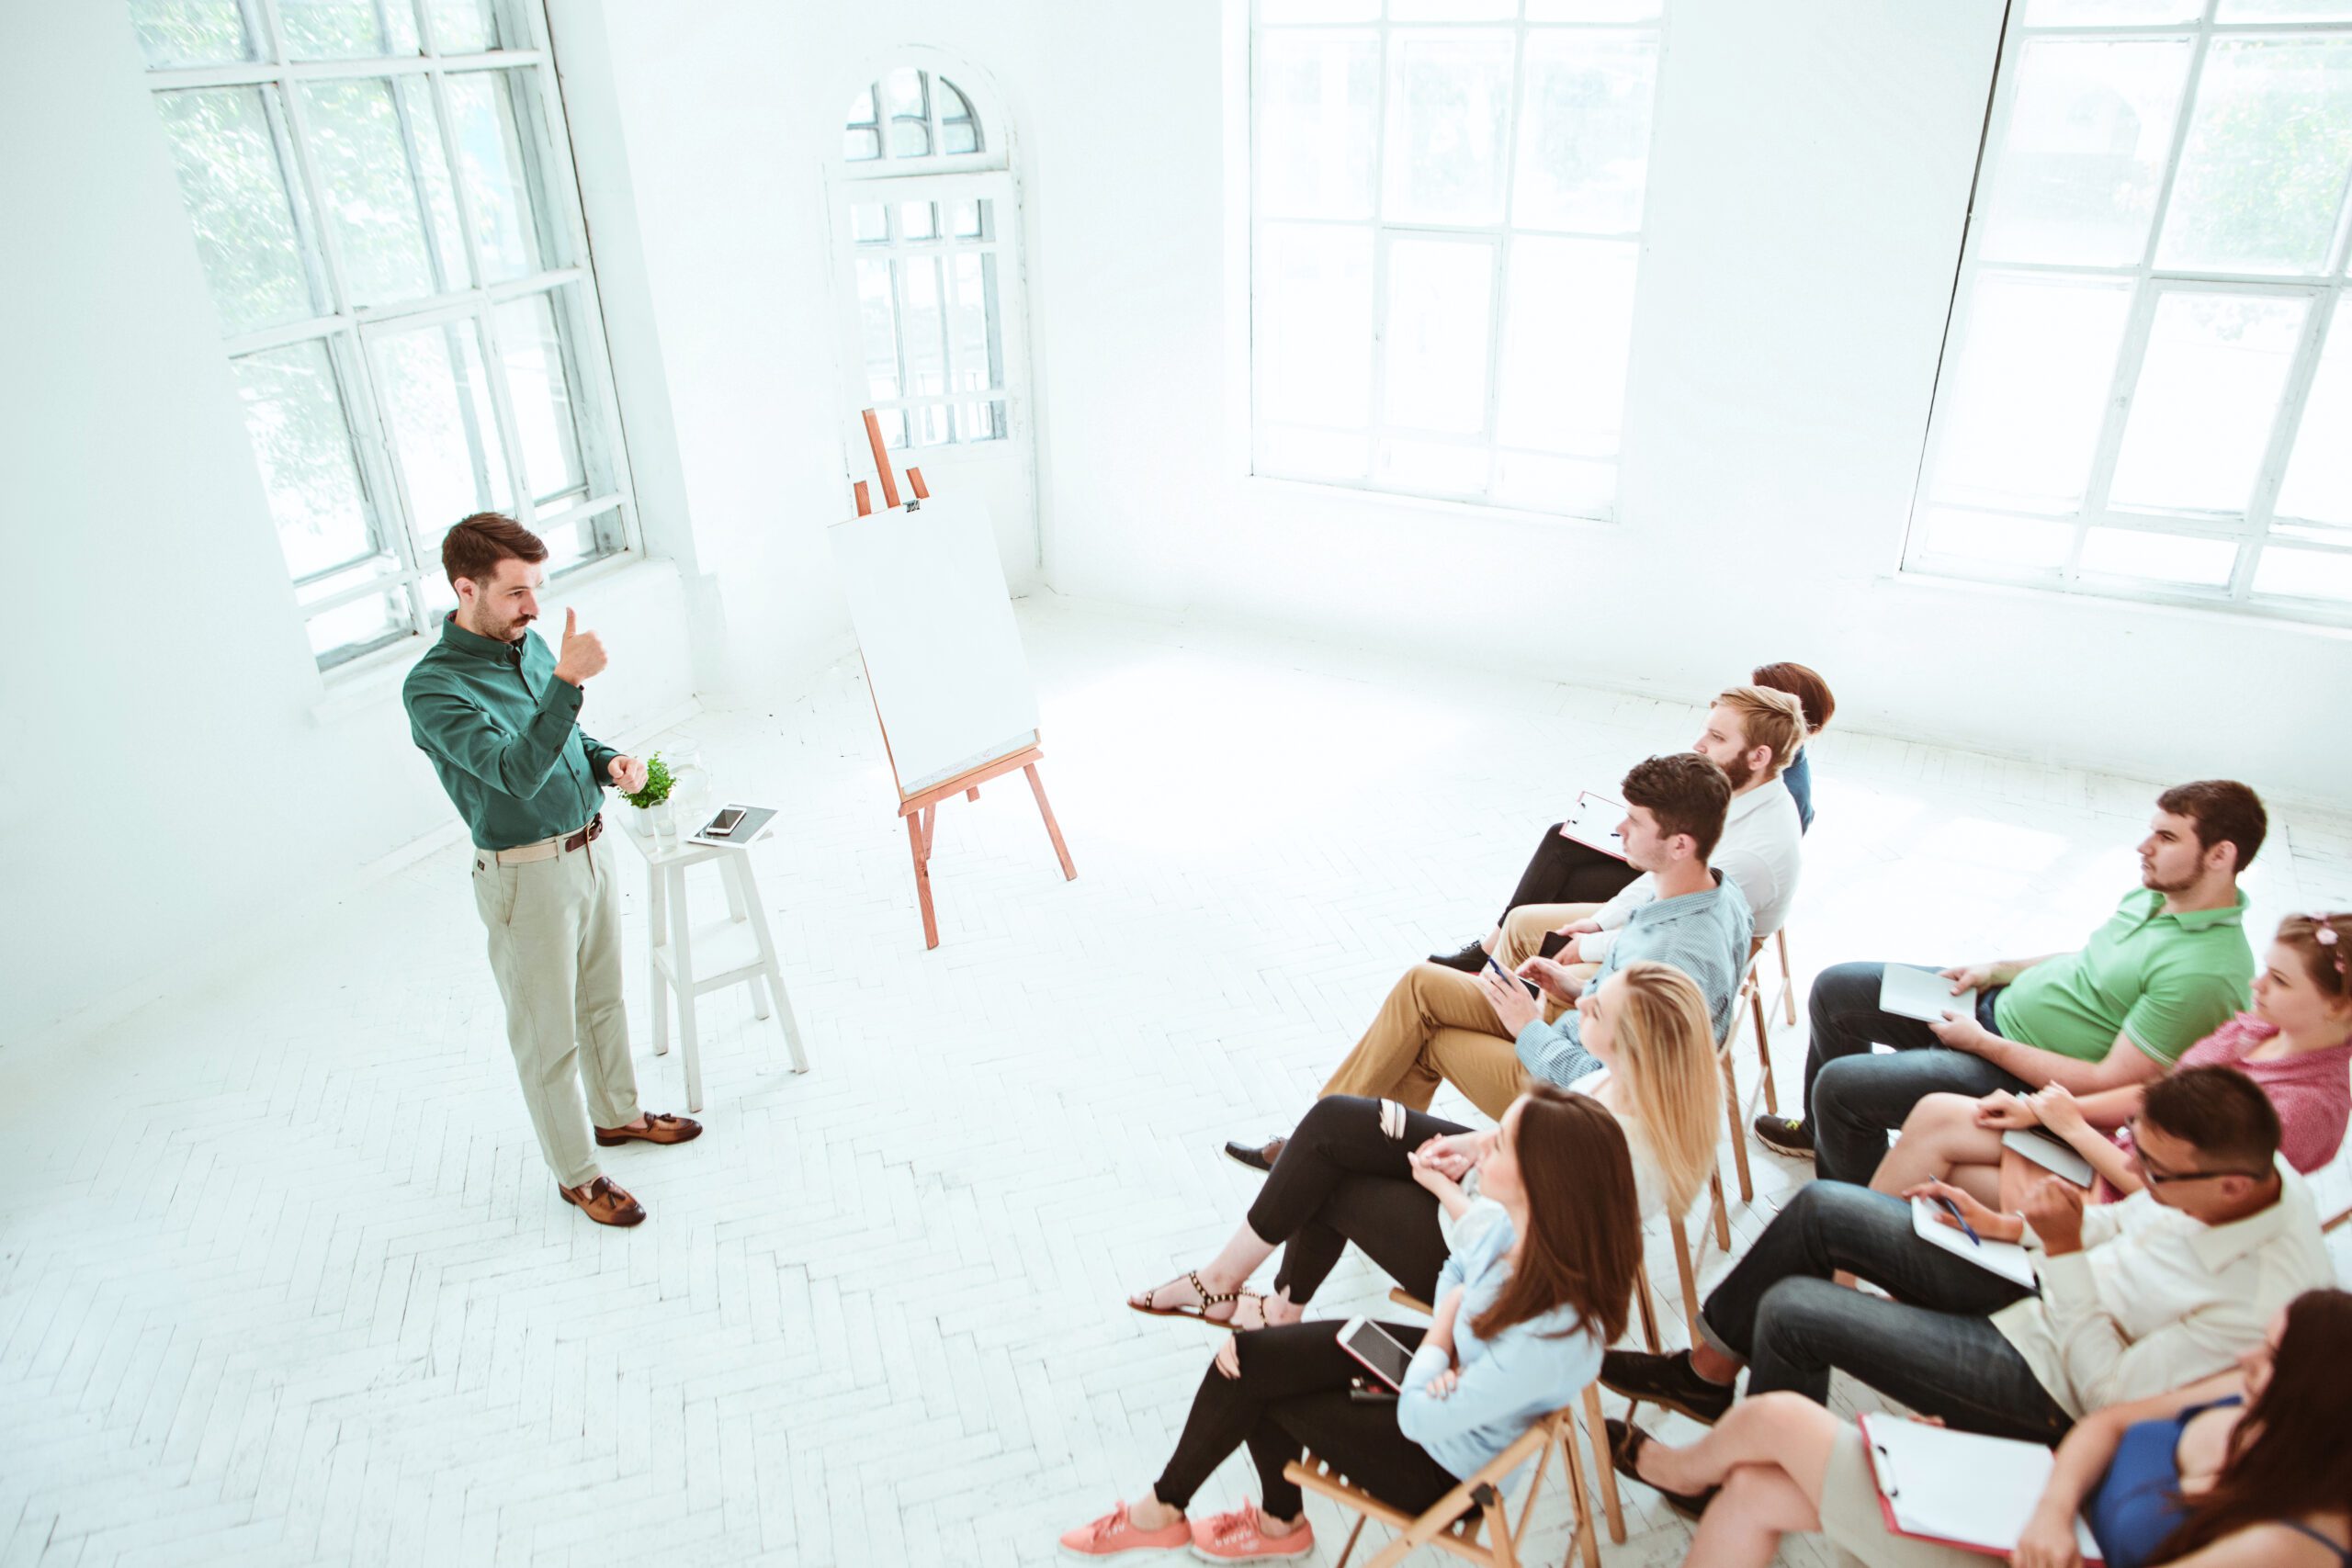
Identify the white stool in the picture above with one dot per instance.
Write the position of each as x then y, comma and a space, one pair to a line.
735, 951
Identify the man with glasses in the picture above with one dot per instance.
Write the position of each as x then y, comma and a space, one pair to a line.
2130, 1299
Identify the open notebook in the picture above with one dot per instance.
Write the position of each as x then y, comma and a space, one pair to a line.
1592, 822
2005, 1258
1964, 1490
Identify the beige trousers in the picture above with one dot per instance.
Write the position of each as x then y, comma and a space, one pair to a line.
1438, 1027
555, 945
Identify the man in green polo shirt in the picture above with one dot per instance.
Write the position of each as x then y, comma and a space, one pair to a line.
497, 714
2168, 967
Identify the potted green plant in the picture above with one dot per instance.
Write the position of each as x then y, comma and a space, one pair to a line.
652, 802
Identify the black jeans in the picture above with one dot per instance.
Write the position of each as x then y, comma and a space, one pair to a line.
1292, 1394
1341, 1179
1933, 1347
1563, 871
1853, 1096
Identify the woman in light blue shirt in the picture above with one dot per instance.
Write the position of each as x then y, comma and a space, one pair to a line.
1538, 1283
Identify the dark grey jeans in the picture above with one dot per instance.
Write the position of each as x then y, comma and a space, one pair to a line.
1853, 1096
1933, 1347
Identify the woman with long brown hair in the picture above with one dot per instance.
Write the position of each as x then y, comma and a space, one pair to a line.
2251, 1467
1538, 1284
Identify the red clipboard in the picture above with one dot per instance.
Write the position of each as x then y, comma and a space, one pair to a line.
1871, 1452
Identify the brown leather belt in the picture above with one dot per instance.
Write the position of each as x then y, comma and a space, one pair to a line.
548, 849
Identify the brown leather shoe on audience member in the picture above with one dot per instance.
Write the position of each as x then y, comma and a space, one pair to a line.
658, 1129
603, 1202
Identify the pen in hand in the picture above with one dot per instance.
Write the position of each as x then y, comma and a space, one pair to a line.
1960, 1220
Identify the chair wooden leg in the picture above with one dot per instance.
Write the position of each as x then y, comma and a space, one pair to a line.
1588, 1539
1647, 1307
1598, 1435
1351, 1543
1723, 1216
1788, 976
1764, 1052
1739, 1134
1689, 1273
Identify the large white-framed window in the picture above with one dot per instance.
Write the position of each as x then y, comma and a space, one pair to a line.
384, 206
2146, 389
1445, 217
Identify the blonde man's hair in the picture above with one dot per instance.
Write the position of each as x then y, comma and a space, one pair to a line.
1666, 1060
1768, 718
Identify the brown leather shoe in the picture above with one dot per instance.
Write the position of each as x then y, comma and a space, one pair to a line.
603, 1202
658, 1129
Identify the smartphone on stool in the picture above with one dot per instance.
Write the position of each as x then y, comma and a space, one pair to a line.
726, 822
1381, 1356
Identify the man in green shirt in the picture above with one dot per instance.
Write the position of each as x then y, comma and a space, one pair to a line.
2168, 967
497, 714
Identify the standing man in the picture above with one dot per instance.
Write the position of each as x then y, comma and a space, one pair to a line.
496, 712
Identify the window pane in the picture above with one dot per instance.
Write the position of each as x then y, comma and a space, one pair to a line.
868, 224
1433, 468
1536, 482
1449, 102
1436, 335
930, 425
191, 33
440, 191
2305, 574
1999, 538
2208, 391
346, 30
462, 27
2035, 366
970, 220
1318, 96
1273, 11
531, 353
857, 146
1569, 322
363, 168
1301, 453
906, 102
1453, 10
979, 421
916, 221
436, 403
1591, 10
2159, 558
2109, 13
1584, 139
922, 320
959, 128
582, 540
2263, 174
2318, 485
975, 336
349, 630
235, 192
495, 174
893, 430
2088, 133
877, 316
2285, 11
1311, 324
301, 436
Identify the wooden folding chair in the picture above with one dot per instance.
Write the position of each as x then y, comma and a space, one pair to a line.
1457, 1522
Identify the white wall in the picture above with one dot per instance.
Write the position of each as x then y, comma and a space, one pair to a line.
170, 791
1807, 186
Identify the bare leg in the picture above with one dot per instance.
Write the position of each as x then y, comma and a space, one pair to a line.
1786, 1431
1940, 1134
1230, 1270
1743, 1527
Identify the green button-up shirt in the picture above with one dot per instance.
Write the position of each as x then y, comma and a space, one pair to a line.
501, 730
2163, 981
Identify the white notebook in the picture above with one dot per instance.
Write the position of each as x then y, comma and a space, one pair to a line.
2051, 1154
1968, 1490
1922, 994
2005, 1258
1592, 822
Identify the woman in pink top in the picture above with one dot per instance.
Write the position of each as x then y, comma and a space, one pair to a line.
2296, 1043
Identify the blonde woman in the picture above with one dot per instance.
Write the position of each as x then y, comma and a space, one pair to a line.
1396, 1181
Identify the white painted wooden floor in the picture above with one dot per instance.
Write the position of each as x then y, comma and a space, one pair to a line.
282, 1278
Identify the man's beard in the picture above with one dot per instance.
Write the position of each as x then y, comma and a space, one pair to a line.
1740, 771
504, 631
2149, 880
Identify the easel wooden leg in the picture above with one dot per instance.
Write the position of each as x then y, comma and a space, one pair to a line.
1053, 829
972, 792
918, 842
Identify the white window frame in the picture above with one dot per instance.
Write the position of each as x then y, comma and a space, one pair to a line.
1499, 236
553, 185
2148, 283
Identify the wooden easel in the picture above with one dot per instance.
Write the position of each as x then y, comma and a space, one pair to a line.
919, 809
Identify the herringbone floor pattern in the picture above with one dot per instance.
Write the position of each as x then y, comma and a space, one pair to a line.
282, 1278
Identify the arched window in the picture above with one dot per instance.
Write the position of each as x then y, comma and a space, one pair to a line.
910, 116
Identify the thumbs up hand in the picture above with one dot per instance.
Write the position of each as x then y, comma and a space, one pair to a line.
583, 653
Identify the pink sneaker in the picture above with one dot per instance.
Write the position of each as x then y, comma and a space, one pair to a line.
1113, 1533
1240, 1537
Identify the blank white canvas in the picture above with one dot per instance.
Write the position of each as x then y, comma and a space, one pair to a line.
935, 622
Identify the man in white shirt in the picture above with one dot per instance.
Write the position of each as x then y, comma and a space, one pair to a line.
2135, 1298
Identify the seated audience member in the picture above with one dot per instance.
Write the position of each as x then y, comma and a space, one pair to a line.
2296, 1044
1540, 1279
1750, 733
1813, 692
2169, 966
1488, 1037
2252, 1467
2133, 1298
1399, 1183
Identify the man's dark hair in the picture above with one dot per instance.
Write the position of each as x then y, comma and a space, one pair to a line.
2224, 810
2219, 1110
1685, 792
475, 547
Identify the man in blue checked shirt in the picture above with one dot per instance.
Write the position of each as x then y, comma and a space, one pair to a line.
1488, 1037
